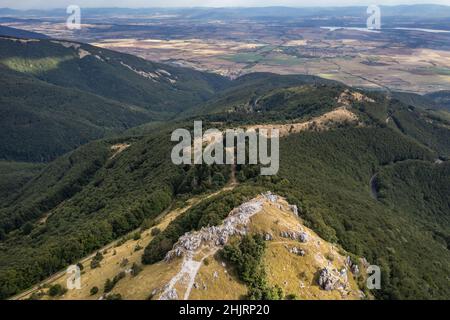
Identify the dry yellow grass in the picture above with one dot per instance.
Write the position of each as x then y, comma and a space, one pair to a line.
224, 286
215, 279
298, 274
328, 120
119, 148
295, 274
139, 287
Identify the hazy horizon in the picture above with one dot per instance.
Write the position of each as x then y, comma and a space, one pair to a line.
57, 4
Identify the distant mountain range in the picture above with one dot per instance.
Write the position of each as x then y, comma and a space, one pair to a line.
420, 10
19, 33
402, 16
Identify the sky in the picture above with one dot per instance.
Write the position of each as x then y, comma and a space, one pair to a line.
48, 4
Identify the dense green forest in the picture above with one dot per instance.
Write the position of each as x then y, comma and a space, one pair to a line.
116, 76
209, 212
241, 95
247, 257
55, 214
88, 198
40, 121
13, 176
441, 98
57, 95
333, 192
420, 189
428, 128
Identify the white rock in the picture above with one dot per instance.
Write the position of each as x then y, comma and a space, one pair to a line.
303, 237
170, 295
294, 209
268, 236
234, 224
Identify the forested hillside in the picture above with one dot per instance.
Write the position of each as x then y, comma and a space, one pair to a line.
243, 93
40, 121
375, 186
441, 98
13, 176
88, 198
333, 190
58, 95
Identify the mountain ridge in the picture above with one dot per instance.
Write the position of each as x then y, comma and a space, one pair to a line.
88, 96
107, 188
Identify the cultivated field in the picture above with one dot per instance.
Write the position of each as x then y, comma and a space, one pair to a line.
405, 60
